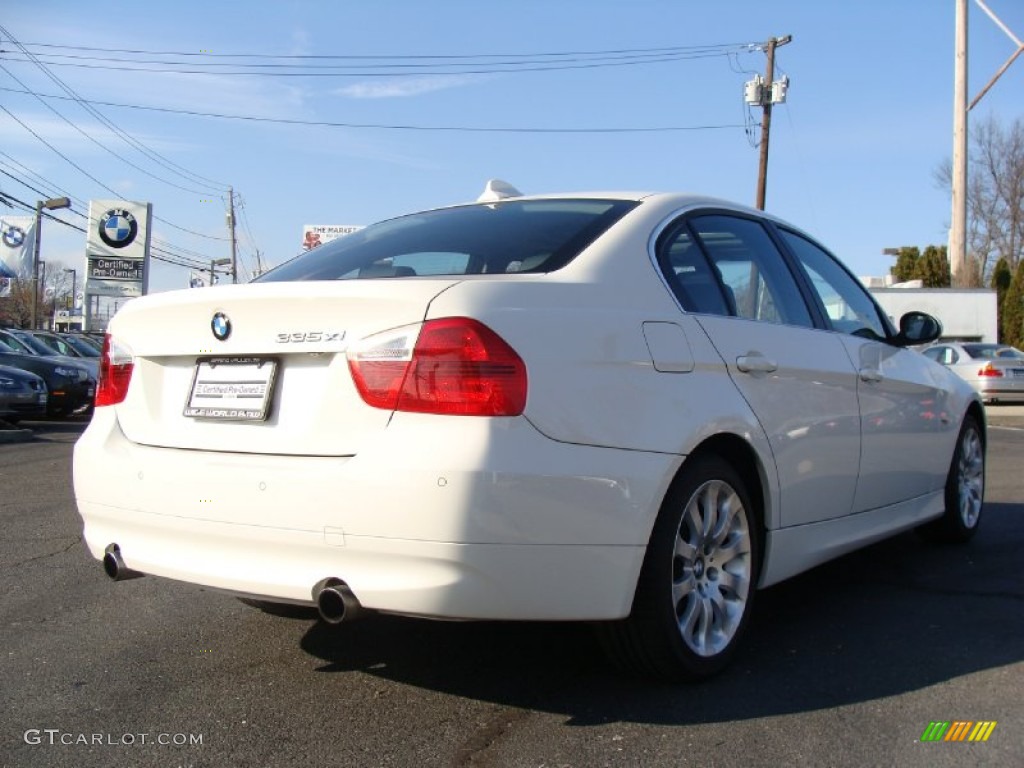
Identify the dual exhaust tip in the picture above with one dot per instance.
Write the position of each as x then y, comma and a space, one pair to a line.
114, 567
334, 600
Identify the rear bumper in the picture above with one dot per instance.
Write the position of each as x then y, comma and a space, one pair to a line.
487, 520
1003, 394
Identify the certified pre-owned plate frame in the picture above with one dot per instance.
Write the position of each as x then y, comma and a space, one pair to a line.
232, 388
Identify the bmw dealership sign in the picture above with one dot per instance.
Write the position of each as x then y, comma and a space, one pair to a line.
118, 228
117, 248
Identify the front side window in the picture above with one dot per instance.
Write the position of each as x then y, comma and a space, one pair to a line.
846, 302
758, 284
490, 238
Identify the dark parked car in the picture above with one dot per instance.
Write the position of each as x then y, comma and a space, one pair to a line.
26, 341
69, 387
85, 346
22, 395
62, 345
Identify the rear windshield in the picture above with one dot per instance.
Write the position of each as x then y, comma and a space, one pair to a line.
493, 238
993, 352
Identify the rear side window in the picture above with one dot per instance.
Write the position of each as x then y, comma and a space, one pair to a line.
689, 274
757, 282
490, 238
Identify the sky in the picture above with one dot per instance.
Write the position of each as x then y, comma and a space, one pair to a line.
853, 151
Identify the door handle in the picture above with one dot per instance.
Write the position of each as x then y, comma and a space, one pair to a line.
756, 364
870, 375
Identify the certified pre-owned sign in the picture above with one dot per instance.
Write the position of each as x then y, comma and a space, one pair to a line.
115, 269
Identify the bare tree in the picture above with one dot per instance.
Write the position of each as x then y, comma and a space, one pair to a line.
995, 196
16, 309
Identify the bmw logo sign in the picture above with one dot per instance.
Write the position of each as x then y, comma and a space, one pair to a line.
221, 326
14, 236
118, 228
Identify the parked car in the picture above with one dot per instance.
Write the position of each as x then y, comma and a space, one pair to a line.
88, 346
69, 387
996, 371
632, 409
22, 395
29, 341
63, 344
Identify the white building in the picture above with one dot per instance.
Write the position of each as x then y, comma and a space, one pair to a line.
966, 314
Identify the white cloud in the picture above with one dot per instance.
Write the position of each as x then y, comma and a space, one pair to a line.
405, 86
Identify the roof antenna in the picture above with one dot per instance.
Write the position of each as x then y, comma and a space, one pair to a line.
496, 189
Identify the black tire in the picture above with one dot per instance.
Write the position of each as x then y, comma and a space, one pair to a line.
965, 489
695, 592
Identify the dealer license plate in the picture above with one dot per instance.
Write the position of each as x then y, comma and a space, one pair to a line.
232, 388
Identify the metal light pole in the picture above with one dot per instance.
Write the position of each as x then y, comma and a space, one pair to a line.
51, 205
74, 295
42, 288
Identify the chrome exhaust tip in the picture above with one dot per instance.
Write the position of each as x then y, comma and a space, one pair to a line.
114, 567
335, 601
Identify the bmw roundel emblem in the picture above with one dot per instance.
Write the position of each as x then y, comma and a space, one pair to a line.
14, 236
118, 228
221, 326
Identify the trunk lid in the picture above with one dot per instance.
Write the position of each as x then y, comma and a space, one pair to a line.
301, 328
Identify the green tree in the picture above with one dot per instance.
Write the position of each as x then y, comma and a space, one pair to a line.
933, 267
1002, 276
906, 265
930, 267
1013, 310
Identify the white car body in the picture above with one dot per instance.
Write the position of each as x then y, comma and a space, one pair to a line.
543, 515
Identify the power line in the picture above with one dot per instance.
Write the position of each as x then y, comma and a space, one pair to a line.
127, 138
207, 54
180, 255
393, 127
491, 70
97, 181
99, 144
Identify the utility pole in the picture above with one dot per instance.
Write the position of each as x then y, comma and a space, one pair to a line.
958, 227
764, 93
231, 232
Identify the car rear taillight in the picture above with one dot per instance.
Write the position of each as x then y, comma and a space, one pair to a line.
990, 370
454, 365
116, 364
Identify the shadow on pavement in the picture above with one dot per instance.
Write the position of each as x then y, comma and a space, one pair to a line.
896, 617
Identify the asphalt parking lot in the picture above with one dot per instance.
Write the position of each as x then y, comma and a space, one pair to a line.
845, 665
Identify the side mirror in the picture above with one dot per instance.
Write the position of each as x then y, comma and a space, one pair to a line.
917, 328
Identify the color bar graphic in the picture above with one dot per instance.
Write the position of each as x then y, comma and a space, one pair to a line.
958, 730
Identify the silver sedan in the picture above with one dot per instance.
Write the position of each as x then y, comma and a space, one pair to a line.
996, 371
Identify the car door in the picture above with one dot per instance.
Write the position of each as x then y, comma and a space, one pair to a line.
903, 403
797, 379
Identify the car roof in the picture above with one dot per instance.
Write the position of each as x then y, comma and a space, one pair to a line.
668, 199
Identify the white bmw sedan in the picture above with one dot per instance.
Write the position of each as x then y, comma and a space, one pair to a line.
632, 409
